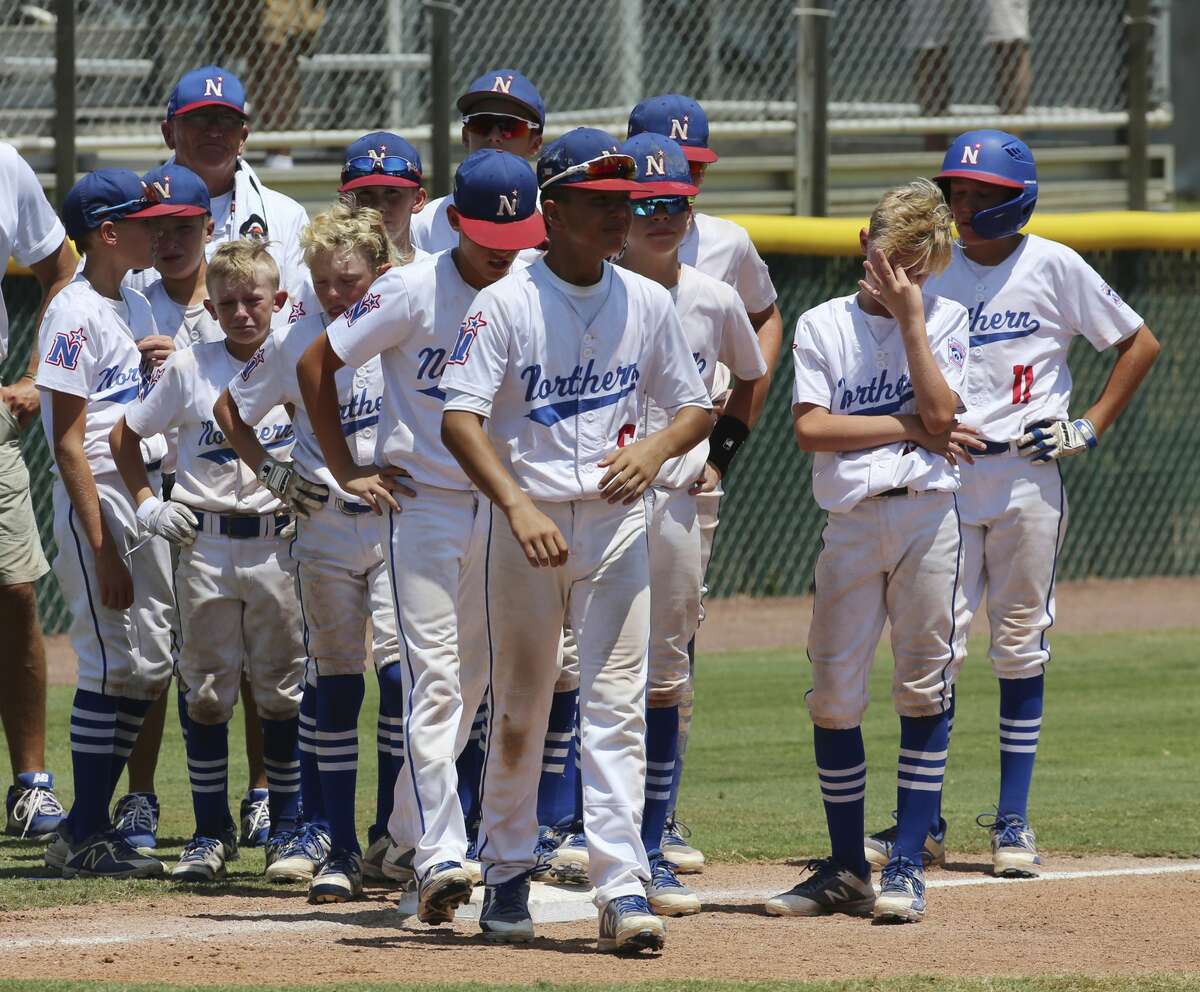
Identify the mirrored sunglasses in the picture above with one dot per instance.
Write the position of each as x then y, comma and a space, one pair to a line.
604, 167
671, 205
388, 165
510, 125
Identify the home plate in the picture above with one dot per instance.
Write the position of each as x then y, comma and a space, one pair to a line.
547, 904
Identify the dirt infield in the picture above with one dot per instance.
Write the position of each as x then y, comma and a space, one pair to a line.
1119, 924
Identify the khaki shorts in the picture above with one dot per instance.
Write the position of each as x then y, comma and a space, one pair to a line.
21, 557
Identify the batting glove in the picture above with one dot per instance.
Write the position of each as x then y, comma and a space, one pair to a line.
1061, 439
301, 496
168, 519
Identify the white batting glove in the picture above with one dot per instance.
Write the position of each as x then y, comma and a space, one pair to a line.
168, 519
1061, 439
301, 496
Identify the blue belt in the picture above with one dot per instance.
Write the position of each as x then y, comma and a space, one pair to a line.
1003, 447
240, 526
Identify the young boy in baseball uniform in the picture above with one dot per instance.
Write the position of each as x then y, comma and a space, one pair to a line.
115, 576
410, 319
1027, 299
556, 361
341, 564
879, 380
235, 581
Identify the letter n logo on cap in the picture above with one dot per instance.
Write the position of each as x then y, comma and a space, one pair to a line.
502, 85
655, 166
971, 154
163, 187
507, 206
214, 87
679, 129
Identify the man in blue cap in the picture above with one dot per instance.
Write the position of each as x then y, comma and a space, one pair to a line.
501, 109
410, 318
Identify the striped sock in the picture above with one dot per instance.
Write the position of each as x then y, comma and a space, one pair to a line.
921, 769
1020, 727
311, 799
936, 825
556, 788
470, 770
842, 772
208, 772
93, 732
281, 758
130, 714
662, 740
389, 742
686, 706
338, 703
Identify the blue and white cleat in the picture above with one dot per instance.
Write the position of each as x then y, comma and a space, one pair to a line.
297, 856
445, 887
135, 817
255, 815
34, 812
901, 896
1014, 846
666, 894
203, 860
570, 862
628, 925
108, 855
505, 917
339, 879
675, 848
547, 843
878, 847
829, 889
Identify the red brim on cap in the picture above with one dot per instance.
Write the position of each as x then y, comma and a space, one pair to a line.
626, 185
666, 189
187, 108
983, 177
513, 236
697, 153
170, 210
378, 179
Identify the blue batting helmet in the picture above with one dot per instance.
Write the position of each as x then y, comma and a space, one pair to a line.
1001, 159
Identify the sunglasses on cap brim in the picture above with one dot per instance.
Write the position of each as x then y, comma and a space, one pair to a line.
671, 205
509, 125
387, 165
617, 172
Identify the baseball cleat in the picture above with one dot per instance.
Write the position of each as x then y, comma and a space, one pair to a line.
667, 895
547, 843
34, 812
339, 879
570, 861
505, 916
256, 819
108, 855
628, 925
397, 865
901, 896
471, 863
445, 887
297, 856
57, 852
829, 889
1014, 845
203, 860
373, 859
878, 847
686, 859
135, 817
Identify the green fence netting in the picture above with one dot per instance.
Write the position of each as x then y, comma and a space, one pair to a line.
1134, 502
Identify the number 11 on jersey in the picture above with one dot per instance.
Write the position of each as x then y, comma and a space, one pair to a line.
1022, 384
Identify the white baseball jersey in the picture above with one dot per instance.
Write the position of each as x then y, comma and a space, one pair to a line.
188, 325
854, 364
306, 303
717, 329
561, 371
87, 347
1023, 314
430, 228
269, 379
29, 228
209, 474
722, 249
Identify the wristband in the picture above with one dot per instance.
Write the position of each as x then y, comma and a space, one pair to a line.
727, 436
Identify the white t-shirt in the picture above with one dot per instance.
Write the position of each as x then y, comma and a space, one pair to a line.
717, 330
269, 379
1023, 314
722, 249
188, 325
854, 363
29, 228
209, 475
87, 348
561, 393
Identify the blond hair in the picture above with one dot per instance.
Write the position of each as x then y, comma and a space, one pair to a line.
246, 261
912, 225
344, 229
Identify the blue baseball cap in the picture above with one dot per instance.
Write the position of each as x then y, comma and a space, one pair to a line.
496, 196
680, 118
208, 86
380, 158
587, 158
507, 84
177, 190
662, 168
106, 194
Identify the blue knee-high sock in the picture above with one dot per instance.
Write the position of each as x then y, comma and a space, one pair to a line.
556, 788
389, 742
1020, 726
339, 699
281, 756
130, 714
93, 733
936, 824
685, 728
921, 769
470, 770
662, 741
842, 772
208, 772
312, 801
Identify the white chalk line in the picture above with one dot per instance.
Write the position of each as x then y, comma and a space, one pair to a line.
192, 929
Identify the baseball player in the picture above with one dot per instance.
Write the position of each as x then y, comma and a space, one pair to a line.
235, 582
879, 380
1027, 299
115, 578
410, 320
501, 109
723, 250
341, 566
558, 360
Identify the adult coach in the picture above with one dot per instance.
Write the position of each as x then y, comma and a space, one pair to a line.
31, 233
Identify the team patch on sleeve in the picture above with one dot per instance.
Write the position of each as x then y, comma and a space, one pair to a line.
468, 330
150, 377
365, 305
65, 349
255, 361
958, 354
297, 312
1112, 295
